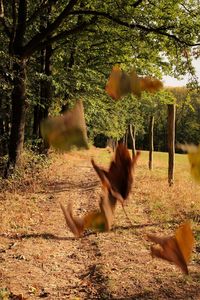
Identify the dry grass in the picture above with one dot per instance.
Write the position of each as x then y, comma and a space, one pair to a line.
40, 258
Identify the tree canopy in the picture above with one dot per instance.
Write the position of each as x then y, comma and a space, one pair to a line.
54, 52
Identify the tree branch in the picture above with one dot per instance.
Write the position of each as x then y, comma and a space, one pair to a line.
157, 30
21, 26
27, 51
14, 25
40, 10
35, 43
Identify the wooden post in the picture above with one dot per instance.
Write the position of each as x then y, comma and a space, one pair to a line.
151, 148
132, 134
171, 142
126, 138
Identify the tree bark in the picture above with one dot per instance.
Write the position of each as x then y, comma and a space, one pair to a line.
171, 142
18, 115
41, 110
151, 146
132, 135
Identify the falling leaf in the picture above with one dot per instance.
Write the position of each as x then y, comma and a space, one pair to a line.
120, 172
75, 224
194, 159
135, 84
176, 249
150, 84
113, 85
94, 220
66, 131
116, 185
98, 220
121, 84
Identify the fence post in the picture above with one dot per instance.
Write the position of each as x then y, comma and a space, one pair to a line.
171, 142
151, 148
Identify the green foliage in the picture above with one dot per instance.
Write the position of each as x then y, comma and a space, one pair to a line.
187, 116
111, 118
153, 37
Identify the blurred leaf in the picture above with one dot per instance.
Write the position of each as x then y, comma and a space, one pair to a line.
176, 249
121, 83
66, 131
194, 159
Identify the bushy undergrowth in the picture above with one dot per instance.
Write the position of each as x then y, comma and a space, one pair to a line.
27, 174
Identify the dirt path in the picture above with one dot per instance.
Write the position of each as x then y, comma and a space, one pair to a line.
40, 258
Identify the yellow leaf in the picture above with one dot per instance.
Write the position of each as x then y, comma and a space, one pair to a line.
194, 159
66, 131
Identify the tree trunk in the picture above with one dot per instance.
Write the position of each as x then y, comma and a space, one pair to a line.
36, 121
132, 135
171, 142
41, 110
4, 123
18, 115
2, 129
151, 148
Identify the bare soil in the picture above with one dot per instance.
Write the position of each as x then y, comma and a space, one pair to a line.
40, 258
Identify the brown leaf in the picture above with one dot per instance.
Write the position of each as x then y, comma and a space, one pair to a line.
176, 249
150, 84
120, 172
75, 224
116, 185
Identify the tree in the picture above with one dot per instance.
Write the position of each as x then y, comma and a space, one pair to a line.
21, 48
158, 29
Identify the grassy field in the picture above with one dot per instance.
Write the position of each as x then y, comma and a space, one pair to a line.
39, 257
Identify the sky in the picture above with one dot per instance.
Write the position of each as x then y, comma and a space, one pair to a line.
170, 81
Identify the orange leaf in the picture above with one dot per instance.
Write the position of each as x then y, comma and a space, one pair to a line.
185, 240
95, 220
176, 249
75, 224
121, 84
113, 85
